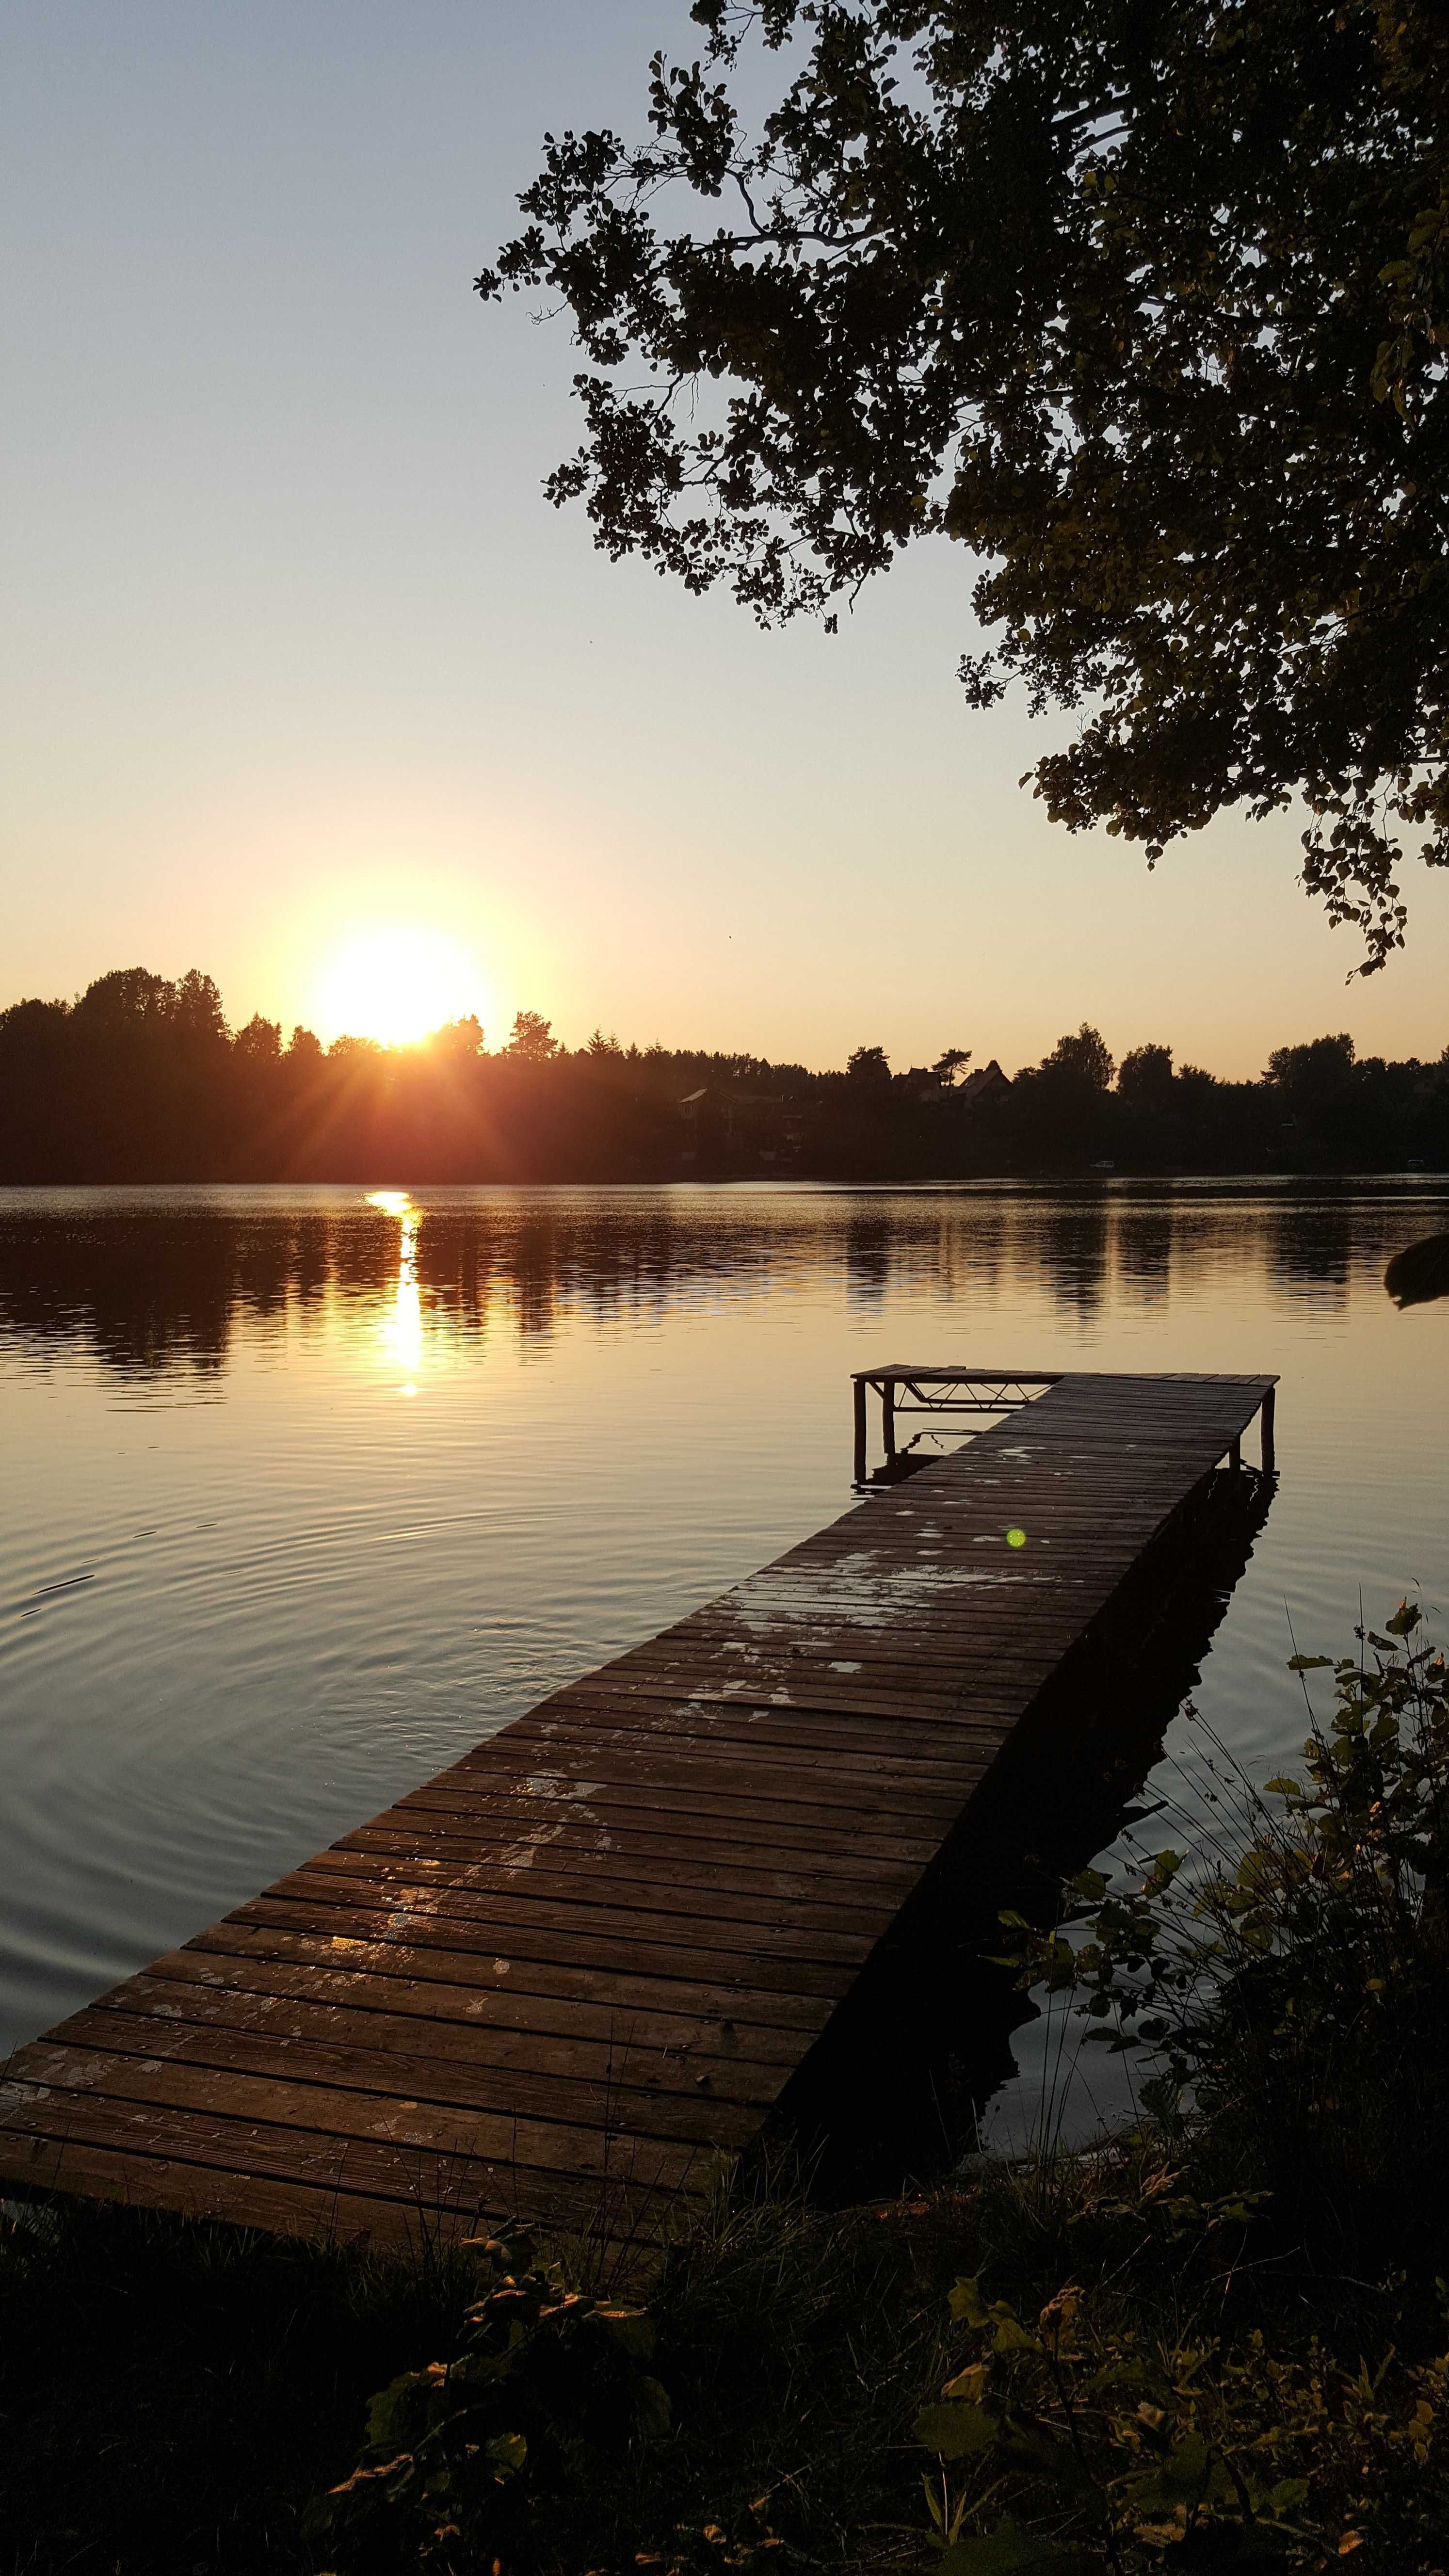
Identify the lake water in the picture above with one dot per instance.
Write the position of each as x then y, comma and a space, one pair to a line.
306, 1491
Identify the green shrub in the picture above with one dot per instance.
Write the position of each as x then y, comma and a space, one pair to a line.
547, 2383
1291, 1992
1192, 2396
1079, 2440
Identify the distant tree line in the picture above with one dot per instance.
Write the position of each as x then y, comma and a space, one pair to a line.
141, 1079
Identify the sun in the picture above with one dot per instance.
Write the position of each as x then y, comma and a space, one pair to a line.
395, 982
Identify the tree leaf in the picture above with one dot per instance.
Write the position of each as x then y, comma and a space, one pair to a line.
965, 2304
630, 2329
955, 2429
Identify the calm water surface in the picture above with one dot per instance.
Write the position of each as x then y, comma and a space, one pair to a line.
306, 1491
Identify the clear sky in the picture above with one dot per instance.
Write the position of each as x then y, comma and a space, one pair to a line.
294, 650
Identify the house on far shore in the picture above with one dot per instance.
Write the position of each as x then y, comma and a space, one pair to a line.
987, 1084
927, 1085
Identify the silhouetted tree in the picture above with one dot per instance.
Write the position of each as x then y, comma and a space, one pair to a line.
532, 1041
260, 1042
1146, 305
1082, 1060
868, 1065
1316, 1076
1144, 1077
951, 1062
1059, 1108
459, 1039
195, 1010
30, 1029
129, 998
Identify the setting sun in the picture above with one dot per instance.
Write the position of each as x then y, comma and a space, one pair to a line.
396, 983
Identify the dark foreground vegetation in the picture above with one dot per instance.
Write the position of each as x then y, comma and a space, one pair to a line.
1217, 2343
142, 1080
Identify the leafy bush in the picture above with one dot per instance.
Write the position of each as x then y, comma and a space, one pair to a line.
547, 2382
1291, 1989
1075, 2440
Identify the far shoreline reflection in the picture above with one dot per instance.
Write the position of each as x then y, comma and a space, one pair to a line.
153, 1282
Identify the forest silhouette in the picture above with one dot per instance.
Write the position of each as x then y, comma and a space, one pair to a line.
141, 1079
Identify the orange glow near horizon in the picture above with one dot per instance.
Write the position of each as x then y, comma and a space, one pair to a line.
396, 982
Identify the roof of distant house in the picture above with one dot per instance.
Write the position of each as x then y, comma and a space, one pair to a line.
987, 1077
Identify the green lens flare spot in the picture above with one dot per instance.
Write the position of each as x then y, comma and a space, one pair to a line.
1016, 1538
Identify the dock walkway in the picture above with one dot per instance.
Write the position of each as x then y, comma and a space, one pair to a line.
554, 1980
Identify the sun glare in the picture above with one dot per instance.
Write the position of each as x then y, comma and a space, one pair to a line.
396, 984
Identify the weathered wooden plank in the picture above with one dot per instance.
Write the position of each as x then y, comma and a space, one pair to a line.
383, 2129
698, 2108
463, 1848
661, 1907
484, 1971
47, 2134
753, 1969
784, 1931
959, 1760
768, 2029
328, 2214
807, 1786
461, 2050
617, 1827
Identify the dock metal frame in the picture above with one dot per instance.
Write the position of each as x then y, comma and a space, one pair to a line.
937, 1391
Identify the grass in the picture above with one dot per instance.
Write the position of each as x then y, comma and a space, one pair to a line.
172, 2395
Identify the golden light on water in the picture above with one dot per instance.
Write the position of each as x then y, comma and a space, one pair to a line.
401, 1335
396, 983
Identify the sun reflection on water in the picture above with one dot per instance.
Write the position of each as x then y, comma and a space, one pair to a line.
401, 1334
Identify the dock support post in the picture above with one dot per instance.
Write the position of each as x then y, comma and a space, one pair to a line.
860, 1431
1265, 1431
1235, 1458
888, 1417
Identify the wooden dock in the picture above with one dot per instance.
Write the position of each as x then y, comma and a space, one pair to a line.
555, 1980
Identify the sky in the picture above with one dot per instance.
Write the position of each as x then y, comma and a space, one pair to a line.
296, 657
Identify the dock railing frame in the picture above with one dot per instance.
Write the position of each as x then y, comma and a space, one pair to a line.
937, 1391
